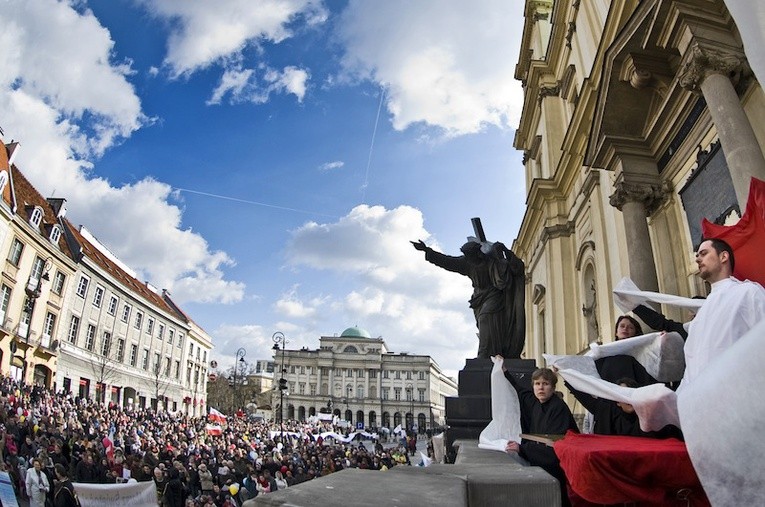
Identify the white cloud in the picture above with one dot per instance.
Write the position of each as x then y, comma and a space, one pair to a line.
445, 63
228, 338
242, 85
329, 166
415, 306
234, 82
202, 35
66, 101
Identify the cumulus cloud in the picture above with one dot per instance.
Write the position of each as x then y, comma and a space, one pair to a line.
242, 85
202, 36
394, 292
448, 64
228, 338
67, 101
330, 166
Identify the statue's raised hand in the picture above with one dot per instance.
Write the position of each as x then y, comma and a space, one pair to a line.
419, 245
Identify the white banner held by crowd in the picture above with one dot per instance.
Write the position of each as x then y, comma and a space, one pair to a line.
132, 494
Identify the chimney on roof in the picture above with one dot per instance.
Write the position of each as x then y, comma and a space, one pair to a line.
59, 206
13, 149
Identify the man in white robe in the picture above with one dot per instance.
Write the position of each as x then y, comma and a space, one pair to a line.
731, 310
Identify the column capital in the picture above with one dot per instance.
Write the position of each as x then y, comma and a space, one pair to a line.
701, 60
651, 195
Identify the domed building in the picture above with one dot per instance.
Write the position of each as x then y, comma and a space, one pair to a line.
356, 377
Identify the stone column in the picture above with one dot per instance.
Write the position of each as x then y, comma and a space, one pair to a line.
636, 201
709, 70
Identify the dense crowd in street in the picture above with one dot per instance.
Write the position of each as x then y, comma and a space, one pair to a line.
96, 443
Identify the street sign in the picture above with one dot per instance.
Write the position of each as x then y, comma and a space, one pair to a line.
359, 425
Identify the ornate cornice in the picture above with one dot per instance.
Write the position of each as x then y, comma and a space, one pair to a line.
700, 62
557, 231
652, 196
548, 91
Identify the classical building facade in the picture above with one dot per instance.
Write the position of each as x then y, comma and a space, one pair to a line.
356, 378
640, 118
80, 319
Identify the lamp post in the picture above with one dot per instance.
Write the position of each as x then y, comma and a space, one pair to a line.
410, 394
238, 364
279, 338
32, 294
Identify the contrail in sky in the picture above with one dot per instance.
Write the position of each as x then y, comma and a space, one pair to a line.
246, 201
371, 147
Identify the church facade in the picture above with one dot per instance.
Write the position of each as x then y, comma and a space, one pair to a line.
640, 118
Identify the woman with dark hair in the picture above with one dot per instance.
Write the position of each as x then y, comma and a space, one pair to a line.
64, 495
613, 368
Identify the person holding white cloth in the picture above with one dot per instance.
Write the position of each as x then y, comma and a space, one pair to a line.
37, 485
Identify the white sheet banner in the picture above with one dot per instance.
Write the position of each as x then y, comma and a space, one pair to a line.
132, 494
661, 354
627, 296
505, 422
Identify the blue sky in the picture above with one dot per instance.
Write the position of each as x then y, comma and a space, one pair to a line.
225, 153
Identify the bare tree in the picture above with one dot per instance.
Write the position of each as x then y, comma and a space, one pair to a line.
158, 383
104, 366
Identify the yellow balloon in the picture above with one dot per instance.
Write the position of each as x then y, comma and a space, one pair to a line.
233, 489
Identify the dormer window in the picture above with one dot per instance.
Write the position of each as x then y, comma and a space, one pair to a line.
55, 234
36, 216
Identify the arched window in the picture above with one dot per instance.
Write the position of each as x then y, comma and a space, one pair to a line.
36, 217
360, 417
373, 418
409, 420
311, 411
290, 411
348, 415
386, 420
336, 412
396, 419
373, 391
350, 349
348, 390
324, 389
421, 422
55, 234
301, 414
359, 391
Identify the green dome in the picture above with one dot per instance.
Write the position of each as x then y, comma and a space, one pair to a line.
356, 332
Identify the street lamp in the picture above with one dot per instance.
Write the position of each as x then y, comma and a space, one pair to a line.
410, 391
32, 294
238, 364
279, 338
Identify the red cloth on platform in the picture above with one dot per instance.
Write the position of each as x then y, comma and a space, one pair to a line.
607, 469
747, 237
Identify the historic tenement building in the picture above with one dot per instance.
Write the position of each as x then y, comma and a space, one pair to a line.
355, 377
640, 118
75, 318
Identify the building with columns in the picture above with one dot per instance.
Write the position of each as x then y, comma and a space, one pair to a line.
640, 118
356, 378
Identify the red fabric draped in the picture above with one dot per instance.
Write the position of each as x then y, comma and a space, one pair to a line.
606, 469
747, 237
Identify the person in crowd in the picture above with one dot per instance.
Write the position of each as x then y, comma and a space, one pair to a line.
613, 368
65, 495
37, 484
542, 412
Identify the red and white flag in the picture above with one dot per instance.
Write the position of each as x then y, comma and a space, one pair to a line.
214, 430
216, 416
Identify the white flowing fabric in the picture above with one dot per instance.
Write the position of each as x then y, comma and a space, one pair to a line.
661, 354
505, 422
627, 296
721, 415
655, 405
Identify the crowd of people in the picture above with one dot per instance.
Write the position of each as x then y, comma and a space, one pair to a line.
48, 438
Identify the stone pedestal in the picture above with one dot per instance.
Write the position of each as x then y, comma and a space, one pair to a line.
470, 412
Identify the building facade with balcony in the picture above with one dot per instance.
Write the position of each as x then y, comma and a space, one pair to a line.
80, 319
355, 377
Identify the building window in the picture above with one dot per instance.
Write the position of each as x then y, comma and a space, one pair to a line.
157, 364
422, 375
55, 233
313, 389
120, 350
408, 394
17, 248
292, 369
133, 354
385, 374
409, 375
149, 325
359, 373
138, 320
421, 394
177, 370
167, 367
338, 372
301, 388
145, 359
372, 374
397, 393
199, 350
36, 217
112, 309
398, 375
204, 357
126, 313
191, 350
385, 393
74, 329
5, 299
58, 283
90, 337
106, 344
302, 370
161, 333
49, 326
180, 341
348, 372
359, 392
82, 286
98, 296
